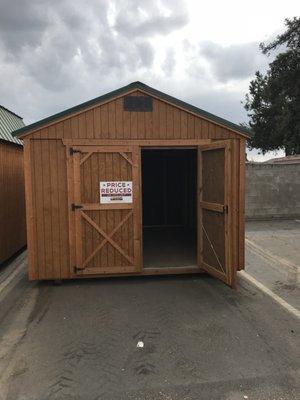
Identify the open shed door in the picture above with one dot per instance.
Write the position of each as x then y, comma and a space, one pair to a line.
104, 199
214, 208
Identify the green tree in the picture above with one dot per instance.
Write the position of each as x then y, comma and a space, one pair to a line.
273, 101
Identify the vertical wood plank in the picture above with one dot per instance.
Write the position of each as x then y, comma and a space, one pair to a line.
103, 214
116, 173
89, 115
104, 121
82, 126
59, 130
55, 239
204, 125
177, 124
183, 125
67, 132
63, 210
191, 126
75, 127
242, 164
78, 219
30, 222
170, 123
71, 214
199, 209
141, 125
126, 127
119, 119
39, 205
212, 130
95, 195
162, 120
112, 119
110, 216
47, 208
234, 203
133, 125
198, 128
155, 122
137, 210
97, 123
231, 275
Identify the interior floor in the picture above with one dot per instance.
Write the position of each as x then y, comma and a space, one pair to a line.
169, 207
169, 247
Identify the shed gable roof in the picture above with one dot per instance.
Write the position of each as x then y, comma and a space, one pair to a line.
9, 122
122, 91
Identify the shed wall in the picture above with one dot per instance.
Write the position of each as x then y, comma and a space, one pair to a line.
47, 207
12, 200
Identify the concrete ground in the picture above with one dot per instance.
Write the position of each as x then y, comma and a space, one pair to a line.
202, 340
273, 257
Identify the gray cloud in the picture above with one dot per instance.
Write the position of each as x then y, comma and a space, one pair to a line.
148, 18
56, 42
22, 23
169, 62
238, 61
58, 52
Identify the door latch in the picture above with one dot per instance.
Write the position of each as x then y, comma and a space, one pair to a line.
76, 206
77, 269
73, 151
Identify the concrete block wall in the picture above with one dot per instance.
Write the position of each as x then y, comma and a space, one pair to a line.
272, 191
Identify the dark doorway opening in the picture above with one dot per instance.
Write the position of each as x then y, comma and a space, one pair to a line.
169, 195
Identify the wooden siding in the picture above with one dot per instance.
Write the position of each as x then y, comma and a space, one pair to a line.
240, 224
12, 200
47, 209
110, 121
48, 232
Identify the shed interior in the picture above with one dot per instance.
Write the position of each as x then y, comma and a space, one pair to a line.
169, 198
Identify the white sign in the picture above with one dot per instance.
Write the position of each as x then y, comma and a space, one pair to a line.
116, 192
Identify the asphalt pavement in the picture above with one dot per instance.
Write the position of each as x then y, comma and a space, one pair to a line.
201, 340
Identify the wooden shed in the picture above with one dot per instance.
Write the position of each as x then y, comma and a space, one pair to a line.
134, 182
12, 197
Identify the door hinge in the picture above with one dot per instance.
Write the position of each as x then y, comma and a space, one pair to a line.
77, 269
225, 209
76, 206
73, 151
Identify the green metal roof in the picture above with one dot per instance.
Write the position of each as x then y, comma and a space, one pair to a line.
9, 122
123, 90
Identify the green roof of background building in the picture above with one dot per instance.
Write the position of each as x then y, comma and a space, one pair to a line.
9, 122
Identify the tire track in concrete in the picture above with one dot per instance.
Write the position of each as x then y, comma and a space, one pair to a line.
10, 342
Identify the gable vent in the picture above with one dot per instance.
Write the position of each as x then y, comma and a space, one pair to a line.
138, 103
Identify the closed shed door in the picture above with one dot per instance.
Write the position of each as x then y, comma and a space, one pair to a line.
106, 204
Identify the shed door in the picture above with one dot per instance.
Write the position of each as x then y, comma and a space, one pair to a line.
107, 226
214, 210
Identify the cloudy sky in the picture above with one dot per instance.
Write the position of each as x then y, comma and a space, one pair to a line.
57, 53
